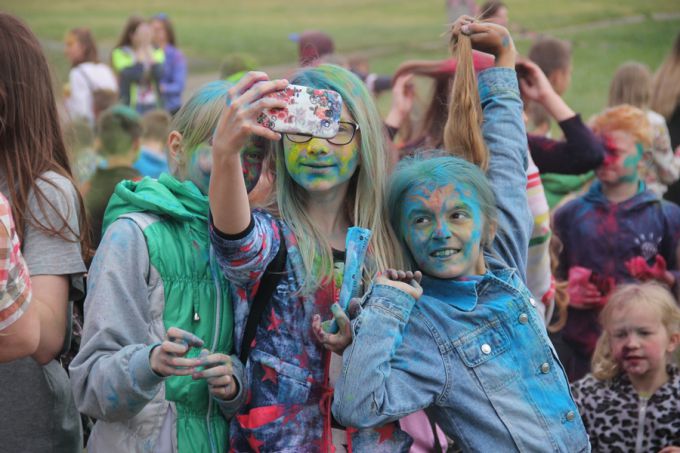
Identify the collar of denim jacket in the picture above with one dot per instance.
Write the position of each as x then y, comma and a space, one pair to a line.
459, 293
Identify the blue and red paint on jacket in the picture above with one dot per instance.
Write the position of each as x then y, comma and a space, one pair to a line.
288, 404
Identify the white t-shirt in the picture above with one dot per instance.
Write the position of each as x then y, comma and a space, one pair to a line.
83, 80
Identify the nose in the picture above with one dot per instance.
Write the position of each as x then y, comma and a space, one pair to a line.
632, 341
442, 230
317, 146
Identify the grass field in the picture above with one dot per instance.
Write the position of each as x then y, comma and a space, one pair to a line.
388, 30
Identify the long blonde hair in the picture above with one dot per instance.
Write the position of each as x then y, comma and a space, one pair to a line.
665, 87
649, 295
463, 129
365, 201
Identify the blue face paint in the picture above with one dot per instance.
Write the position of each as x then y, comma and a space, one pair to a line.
200, 167
442, 226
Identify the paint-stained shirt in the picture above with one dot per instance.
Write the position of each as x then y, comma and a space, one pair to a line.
15, 282
288, 404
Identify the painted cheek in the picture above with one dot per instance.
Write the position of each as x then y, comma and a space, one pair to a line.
348, 161
292, 156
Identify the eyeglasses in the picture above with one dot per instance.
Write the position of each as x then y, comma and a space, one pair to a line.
345, 135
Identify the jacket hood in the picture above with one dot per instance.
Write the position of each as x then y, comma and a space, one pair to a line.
643, 197
166, 197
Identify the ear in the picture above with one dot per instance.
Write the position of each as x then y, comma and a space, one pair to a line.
175, 145
136, 144
673, 342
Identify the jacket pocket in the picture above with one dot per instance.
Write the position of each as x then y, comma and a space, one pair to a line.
292, 382
485, 352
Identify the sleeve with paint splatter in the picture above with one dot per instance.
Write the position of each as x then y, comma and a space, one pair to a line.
392, 367
111, 376
506, 139
244, 257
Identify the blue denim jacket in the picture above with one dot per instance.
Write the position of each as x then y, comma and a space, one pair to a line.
474, 350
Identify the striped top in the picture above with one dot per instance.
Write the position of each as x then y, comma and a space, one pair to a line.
15, 282
539, 278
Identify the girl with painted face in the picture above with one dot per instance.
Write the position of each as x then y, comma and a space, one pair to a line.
630, 400
157, 374
322, 188
468, 344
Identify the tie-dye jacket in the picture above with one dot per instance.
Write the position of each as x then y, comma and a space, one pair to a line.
601, 236
288, 406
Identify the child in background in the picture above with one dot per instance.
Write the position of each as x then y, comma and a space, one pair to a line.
617, 232
632, 84
36, 178
139, 66
174, 75
79, 138
469, 344
563, 172
86, 77
141, 371
323, 188
153, 158
19, 323
630, 401
118, 134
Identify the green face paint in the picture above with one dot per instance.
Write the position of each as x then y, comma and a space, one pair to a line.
623, 157
630, 163
318, 165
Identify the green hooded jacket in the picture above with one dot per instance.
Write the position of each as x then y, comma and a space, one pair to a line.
195, 293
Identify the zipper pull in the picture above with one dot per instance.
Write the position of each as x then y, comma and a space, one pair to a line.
196, 317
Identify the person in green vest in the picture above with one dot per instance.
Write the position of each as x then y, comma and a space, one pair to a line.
139, 66
153, 366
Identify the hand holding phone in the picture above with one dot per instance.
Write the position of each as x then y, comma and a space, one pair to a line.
308, 111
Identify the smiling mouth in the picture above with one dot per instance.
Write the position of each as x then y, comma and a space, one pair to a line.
318, 165
444, 253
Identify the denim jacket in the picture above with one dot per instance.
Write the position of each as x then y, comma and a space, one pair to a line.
474, 350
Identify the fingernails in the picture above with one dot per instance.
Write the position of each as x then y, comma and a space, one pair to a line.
465, 29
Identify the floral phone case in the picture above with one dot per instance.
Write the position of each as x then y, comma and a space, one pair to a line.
310, 111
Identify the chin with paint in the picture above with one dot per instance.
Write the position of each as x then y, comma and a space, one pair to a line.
459, 333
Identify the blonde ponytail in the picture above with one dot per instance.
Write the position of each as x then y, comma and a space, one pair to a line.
463, 129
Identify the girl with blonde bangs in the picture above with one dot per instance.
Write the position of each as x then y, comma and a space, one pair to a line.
365, 202
648, 296
323, 187
630, 400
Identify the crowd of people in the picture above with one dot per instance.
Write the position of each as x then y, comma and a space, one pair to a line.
177, 277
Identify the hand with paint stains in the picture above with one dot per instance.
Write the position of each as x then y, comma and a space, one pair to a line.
218, 372
167, 359
246, 101
487, 37
583, 294
336, 342
406, 281
638, 268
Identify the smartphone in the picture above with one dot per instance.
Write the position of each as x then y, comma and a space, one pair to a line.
310, 111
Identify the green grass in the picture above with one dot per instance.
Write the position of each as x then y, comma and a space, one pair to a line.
391, 30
